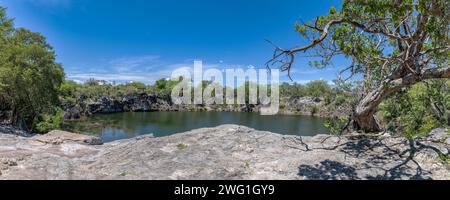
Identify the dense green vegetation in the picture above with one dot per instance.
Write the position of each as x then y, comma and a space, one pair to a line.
29, 76
418, 110
92, 89
95, 89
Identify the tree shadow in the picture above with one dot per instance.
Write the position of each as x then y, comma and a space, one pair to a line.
382, 162
328, 170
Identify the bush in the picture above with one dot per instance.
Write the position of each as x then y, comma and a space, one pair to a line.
50, 122
411, 112
164, 86
420, 126
68, 88
339, 100
314, 110
318, 89
335, 125
292, 90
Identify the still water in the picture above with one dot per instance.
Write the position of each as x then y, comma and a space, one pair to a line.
117, 126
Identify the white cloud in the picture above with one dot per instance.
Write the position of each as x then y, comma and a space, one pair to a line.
77, 81
146, 78
145, 68
136, 63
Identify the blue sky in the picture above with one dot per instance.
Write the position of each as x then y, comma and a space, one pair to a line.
144, 40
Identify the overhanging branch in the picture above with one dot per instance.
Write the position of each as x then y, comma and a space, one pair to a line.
285, 57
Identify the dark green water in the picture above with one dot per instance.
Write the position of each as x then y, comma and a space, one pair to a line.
116, 126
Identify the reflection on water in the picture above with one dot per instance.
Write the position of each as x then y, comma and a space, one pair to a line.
116, 126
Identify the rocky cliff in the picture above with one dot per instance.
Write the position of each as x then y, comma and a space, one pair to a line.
154, 102
224, 152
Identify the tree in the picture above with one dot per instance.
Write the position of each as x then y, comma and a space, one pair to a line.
68, 88
318, 89
91, 82
164, 86
393, 44
136, 87
29, 76
292, 90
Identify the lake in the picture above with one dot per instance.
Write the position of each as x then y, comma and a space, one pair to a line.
117, 126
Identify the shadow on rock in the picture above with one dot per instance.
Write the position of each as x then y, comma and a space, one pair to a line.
328, 170
382, 161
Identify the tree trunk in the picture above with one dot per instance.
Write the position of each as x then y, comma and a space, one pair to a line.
366, 123
363, 118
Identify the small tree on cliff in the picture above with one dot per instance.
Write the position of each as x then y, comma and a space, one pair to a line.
393, 43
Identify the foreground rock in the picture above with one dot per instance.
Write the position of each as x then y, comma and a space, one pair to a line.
224, 152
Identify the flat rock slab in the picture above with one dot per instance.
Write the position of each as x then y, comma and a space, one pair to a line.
224, 152
59, 137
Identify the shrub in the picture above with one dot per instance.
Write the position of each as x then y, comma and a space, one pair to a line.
335, 125
411, 111
314, 110
339, 100
50, 122
318, 89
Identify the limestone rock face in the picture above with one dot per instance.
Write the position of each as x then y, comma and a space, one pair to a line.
73, 112
155, 102
304, 105
105, 105
224, 152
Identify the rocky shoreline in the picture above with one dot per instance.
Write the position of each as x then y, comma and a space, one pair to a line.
154, 102
224, 152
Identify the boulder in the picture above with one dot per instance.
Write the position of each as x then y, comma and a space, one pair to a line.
73, 112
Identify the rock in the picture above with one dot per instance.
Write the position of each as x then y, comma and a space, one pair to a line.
317, 100
303, 105
155, 102
5, 117
439, 135
73, 112
144, 136
224, 152
94, 107
131, 103
59, 137
7, 129
6, 163
93, 141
